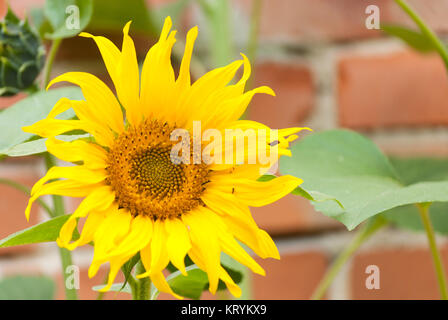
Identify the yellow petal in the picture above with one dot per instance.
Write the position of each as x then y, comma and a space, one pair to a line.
62, 105
240, 223
115, 265
234, 108
162, 285
109, 53
75, 173
257, 193
155, 258
193, 105
93, 156
127, 81
158, 79
204, 237
223, 275
53, 127
104, 107
178, 243
184, 72
111, 232
68, 188
138, 237
93, 220
159, 256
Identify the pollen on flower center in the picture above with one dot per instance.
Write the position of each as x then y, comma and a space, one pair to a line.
156, 173
146, 181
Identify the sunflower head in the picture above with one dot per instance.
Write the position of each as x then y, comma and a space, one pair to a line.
146, 186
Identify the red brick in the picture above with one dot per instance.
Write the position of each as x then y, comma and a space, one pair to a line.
329, 20
3, 8
294, 90
399, 89
22, 7
295, 276
14, 202
404, 274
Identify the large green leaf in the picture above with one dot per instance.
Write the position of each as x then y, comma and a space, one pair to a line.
30, 110
68, 17
43, 232
190, 286
113, 15
352, 169
309, 195
414, 39
412, 170
233, 268
27, 288
36, 146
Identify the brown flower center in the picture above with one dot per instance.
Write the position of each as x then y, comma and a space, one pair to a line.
146, 181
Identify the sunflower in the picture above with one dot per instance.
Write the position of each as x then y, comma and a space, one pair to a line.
136, 199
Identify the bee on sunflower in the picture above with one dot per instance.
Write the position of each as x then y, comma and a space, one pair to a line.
137, 200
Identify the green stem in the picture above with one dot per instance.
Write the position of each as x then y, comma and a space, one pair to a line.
66, 261
438, 264
101, 294
141, 289
49, 63
218, 15
26, 190
252, 44
367, 230
66, 257
438, 44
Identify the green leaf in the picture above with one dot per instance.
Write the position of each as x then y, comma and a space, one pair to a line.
233, 268
414, 39
30, 110
172, 9
309, 195
43, 232
128, 266
40, 22
412, 170
113, 15
36, 146
116, 287
353, 170
68, 17
190, 286
27, 288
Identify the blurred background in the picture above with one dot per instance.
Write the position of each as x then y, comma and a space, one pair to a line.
328, 71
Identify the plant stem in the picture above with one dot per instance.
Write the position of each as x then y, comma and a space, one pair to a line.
252, 44
438, 44
49, 63
368, 229
66, 257
218, 15
438, 264
58, 202
141, 289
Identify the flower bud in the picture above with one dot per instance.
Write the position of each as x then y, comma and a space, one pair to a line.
22, 55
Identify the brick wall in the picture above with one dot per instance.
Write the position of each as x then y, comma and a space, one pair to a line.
328, 71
